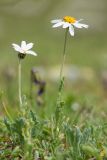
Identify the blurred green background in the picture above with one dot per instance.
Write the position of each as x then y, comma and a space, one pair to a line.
29, 20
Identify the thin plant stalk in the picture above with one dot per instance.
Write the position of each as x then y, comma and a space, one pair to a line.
19, 83
60, 102
8, 114
64, 55
31, 88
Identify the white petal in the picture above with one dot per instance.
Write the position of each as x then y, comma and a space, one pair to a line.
29, 46
56, 20
66, 24
84, 25
80, 20
31, 52
77, 25
23, 45
71, 30
17, 48
80, 25
57, 24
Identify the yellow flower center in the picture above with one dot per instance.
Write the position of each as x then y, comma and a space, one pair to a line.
69, 19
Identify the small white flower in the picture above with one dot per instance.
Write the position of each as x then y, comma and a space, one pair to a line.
24, 48
70, 23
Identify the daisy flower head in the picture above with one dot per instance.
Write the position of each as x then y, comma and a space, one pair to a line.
24, 49
68, 22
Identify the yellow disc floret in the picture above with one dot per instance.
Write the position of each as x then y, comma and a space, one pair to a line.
69, 19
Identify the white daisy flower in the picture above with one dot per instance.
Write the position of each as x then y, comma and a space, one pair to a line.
24, 48
70, 23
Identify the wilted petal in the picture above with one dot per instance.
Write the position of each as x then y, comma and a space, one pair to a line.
56, 20
23, 45
71, 30
29, 46
66, 24
31, 52
57, 24
17, 48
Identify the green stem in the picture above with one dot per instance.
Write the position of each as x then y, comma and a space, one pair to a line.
30, 89
64, 55
8, 114
19, 81
60, 102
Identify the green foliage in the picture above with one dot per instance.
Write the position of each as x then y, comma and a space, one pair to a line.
29, 137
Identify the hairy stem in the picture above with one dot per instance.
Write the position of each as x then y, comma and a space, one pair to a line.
64, 55
19, 83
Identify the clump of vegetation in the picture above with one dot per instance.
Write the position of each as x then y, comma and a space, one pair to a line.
30, 137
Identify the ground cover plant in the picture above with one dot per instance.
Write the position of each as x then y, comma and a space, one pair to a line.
43, 120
